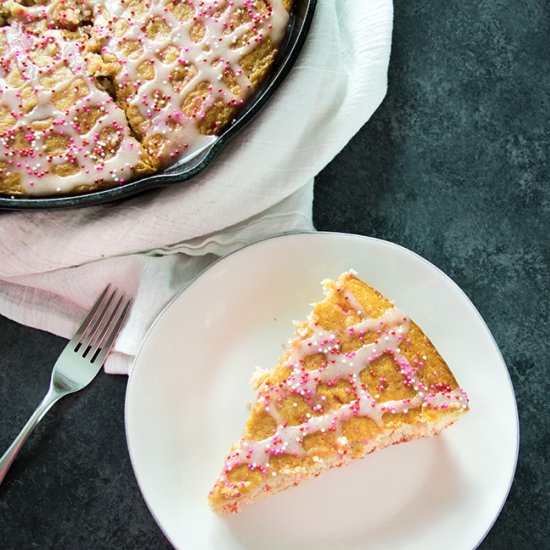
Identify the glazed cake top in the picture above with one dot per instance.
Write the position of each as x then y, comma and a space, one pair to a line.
155, 80
58, 130
183, 67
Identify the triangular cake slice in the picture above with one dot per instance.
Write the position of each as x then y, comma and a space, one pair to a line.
358, 376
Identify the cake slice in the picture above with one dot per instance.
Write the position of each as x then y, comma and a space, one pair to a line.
358, 376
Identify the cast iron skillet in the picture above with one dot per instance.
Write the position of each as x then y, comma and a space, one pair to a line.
300, 21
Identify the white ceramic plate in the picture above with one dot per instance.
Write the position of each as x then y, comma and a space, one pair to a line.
189, 385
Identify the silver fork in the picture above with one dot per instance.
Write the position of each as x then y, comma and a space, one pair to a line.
79, 362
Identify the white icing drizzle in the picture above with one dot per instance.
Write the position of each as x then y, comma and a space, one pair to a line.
392, 317
391, 327
95, 161
159, 100
289, 439
305, 382
352, 301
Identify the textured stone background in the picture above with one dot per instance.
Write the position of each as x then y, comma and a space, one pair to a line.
454, 166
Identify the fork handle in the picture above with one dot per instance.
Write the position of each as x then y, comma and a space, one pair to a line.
9, 456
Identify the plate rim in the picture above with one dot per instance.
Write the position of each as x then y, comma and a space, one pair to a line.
338, 234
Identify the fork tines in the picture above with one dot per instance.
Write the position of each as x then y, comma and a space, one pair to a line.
97, 333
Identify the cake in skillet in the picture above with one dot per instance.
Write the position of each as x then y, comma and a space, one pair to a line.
59, 131
181, 73
155, 81
358, 376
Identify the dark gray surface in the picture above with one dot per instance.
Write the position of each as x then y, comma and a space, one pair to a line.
454, 166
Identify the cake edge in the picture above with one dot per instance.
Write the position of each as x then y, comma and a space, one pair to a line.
296, 476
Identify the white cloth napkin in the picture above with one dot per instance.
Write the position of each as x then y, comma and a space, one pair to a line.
53, 264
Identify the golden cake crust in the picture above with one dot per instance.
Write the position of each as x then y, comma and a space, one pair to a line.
358, 376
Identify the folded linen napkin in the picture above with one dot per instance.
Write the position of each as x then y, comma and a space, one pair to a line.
53, 264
